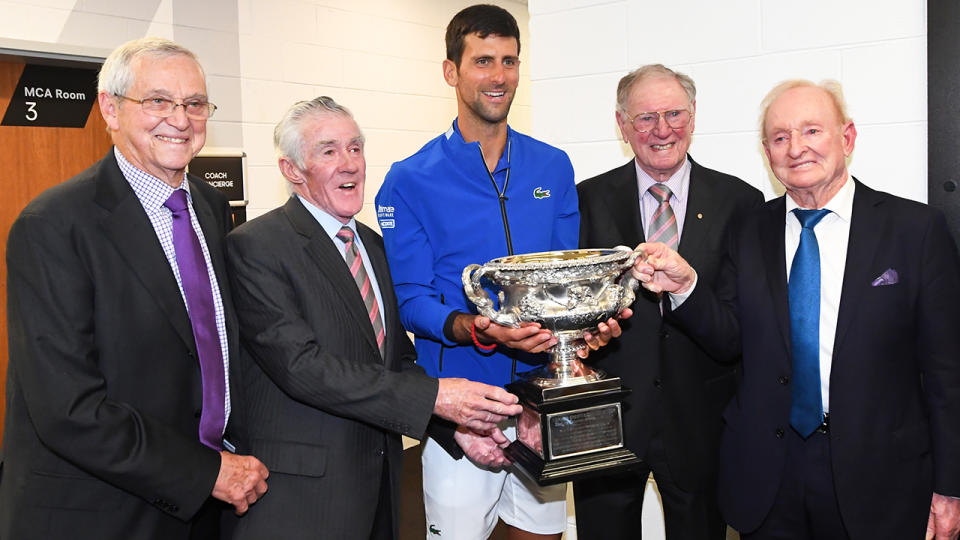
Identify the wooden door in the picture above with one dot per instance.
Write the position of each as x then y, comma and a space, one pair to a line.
31, 160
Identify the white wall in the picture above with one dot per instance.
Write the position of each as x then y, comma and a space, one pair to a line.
380, 58
736, 51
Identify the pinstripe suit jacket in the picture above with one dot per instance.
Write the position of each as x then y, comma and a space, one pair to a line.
321, 410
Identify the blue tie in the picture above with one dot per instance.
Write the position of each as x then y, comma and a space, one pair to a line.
806, 406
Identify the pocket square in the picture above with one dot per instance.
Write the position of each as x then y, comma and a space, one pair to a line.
888, 277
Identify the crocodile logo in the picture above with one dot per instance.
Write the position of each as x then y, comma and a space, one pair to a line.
433, 530
541, 193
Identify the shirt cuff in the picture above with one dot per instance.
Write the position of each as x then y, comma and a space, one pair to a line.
676, 300
448, 326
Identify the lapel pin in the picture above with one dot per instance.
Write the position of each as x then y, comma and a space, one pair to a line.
699, 216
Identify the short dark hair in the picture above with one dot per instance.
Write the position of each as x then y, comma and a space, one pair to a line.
483, 20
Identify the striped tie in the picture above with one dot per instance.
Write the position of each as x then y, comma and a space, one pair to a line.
355, 263
663, 224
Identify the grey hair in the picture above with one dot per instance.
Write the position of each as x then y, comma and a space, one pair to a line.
288, 135
116, 75
650, 71
830, 86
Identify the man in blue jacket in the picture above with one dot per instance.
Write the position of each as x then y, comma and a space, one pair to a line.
479, 191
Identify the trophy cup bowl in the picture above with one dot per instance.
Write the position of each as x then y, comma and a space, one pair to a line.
571, 423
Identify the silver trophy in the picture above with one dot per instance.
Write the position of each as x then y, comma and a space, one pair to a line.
571, 423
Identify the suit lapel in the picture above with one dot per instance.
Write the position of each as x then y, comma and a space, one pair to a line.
772, 252
700, 195
866, 229
378, 259
213, 233
326, 255
623, 200
127, 226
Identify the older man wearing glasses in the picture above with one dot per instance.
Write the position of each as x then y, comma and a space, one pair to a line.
121, 329
672, 420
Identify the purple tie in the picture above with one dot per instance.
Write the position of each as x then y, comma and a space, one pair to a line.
199, 294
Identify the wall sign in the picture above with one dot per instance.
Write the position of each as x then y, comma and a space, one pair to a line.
222, 172
52, 96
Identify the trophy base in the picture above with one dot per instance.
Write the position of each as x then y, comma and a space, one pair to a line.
569, 432
548, 473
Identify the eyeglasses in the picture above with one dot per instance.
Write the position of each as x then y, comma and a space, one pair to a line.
161, 107
648, 121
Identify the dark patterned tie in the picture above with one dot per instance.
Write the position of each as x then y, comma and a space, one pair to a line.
199, 293
663, 224
355, 264
806, 405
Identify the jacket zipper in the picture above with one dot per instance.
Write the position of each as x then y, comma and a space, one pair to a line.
501, 195
442, 346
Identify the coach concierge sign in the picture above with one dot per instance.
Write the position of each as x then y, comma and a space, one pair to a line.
52, 96
224, 169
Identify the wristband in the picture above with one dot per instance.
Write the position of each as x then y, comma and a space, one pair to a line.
476, 343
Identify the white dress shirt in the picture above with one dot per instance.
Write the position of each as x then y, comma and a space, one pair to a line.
833, 235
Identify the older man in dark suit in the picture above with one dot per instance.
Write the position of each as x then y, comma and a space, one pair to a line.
844, 304
329, 372
672, 419
121, 331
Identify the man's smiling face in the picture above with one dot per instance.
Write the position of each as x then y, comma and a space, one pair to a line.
807, 142
334, 168
160, 146
487, 77
662, 150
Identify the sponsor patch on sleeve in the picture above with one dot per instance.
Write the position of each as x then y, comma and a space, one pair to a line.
385, 217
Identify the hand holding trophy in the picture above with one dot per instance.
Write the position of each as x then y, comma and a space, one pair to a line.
571, 423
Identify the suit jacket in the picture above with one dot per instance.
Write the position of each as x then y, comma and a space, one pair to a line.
895, 376
323, 412
676, 384
103, 386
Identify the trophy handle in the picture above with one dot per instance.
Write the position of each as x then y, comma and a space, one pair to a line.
627, 282
478, 295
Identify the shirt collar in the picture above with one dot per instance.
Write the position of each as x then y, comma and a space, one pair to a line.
678, 183
453, 135
330, 224
151, 191
841, 204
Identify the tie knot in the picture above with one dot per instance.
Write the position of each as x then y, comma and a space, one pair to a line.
345, 234
177, 202
660, 192
809, 218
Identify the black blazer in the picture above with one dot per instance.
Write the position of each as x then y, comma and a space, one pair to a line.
103, 387
895, 376
676, 384
323, 411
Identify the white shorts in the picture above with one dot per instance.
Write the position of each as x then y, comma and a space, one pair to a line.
463, 500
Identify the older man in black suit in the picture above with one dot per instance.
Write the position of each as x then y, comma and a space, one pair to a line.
328, 369
672, 420
121, 331
844, 303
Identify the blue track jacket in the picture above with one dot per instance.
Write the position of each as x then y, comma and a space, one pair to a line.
439, 211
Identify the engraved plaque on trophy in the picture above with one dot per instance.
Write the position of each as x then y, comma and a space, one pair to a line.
571, 426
